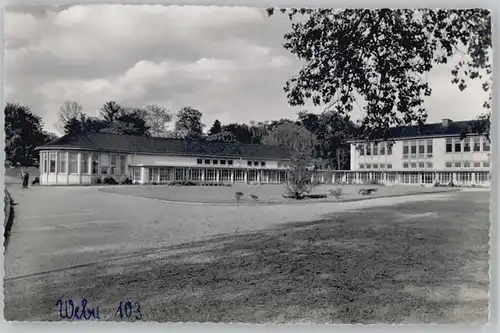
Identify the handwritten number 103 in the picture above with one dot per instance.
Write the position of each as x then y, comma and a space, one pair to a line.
127, 309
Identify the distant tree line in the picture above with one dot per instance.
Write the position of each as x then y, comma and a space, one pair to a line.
322, 137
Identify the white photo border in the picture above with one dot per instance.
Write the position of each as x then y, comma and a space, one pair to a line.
493, 326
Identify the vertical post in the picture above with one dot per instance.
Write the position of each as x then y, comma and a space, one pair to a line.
232, 176
217, 172
144, 175
202, 175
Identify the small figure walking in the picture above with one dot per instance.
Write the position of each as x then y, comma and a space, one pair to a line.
25, 177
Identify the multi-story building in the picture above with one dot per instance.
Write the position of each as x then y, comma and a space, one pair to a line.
435, 154
88, 158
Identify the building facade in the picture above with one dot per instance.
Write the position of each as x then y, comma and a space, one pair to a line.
437, 154
88, 159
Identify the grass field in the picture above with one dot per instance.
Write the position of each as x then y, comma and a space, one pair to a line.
266, 193
419, 262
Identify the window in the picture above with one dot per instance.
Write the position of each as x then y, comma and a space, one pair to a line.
429, 164
466, 164
249, 163
389, 166
52, 162
467, 144
421, 164
477, 165
361, 166
113, 164
361, 149
279, 164
262, 164
230, 162
368, 166
84, 163
207, 161
375, 166
486, 145
62, 162
368, 149
95, 163
405, 149
382, 148
136, 174
255, 163
421, 147
223, 162
199, 161
73, 163
43, 168
375, 149
449, 145
405, 165
458, 164
486, 164
449, 164
215, 162
413, 148
413, 165
429, 148
104, 164
389, 148
476, 143
458, 145
123, 164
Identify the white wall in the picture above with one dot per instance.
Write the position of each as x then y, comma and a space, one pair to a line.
438, 159
188, 161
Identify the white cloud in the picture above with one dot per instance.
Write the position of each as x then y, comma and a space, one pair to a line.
227, 61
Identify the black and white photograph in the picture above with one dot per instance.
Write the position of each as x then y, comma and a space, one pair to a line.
231, 164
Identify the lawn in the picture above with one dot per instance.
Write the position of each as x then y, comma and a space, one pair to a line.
420, 262
265, 193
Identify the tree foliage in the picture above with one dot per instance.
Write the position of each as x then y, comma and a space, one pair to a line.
23, 133
157, 119
188, 123
216, 128
68, 112
382, 56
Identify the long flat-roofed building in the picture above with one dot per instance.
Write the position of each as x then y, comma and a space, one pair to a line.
434, 154
82, 159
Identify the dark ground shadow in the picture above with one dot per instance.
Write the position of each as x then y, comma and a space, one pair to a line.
421, 262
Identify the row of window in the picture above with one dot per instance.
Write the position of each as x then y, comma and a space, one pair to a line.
455, 145
67, 163
466, 164
420, 165
200, 161
375, 166
165, 174
417, 148
381, 148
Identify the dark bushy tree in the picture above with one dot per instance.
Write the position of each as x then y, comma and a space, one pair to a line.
188, 124
382, 55
216, 128
23, 133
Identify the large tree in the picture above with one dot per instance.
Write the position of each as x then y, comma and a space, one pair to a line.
157, 119
68, 113
381, 56
300, 143
188, 124
129, 121
23, 133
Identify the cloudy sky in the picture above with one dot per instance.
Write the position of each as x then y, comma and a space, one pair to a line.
227, 62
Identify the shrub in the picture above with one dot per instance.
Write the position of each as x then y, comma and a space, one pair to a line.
367, 191
337, 192
126, 181
183, 183
35, 181
316, 196
254, 197
98, 181
238, 196
110, 181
